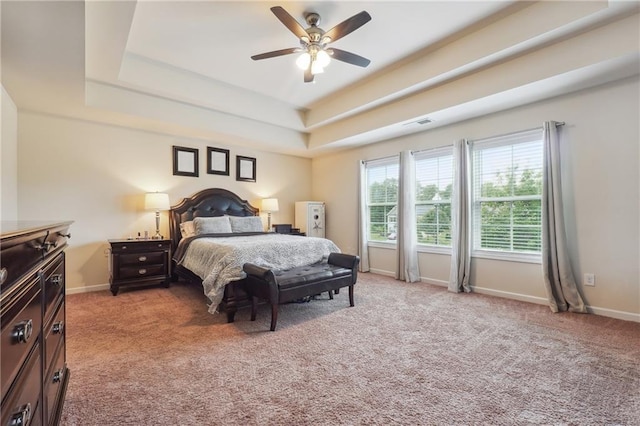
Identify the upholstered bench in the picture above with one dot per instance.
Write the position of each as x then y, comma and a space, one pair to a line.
340, 270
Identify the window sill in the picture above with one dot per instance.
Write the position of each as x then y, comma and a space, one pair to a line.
424, 248
382, 244
509, 257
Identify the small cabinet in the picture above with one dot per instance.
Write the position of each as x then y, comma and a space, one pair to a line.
139, 263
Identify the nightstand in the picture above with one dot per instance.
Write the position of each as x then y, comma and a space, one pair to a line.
286, 228
139, 262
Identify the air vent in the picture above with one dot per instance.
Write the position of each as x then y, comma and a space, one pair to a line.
421, 122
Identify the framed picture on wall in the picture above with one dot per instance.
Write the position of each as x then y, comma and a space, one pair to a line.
185, 161
245, 168
217, 161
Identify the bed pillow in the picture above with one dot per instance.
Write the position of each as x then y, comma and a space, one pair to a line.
212, 225
246, 224
187, 229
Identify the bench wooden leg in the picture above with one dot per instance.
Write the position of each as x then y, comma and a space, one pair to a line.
274, 316
330, 295
351, 295
254, 307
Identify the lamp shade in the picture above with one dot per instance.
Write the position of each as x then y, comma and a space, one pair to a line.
156, 201
270, 205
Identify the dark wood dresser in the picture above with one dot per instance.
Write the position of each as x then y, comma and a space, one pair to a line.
34, 373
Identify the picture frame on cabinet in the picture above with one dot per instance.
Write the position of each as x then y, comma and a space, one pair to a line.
245, 168
185, 161
217, 161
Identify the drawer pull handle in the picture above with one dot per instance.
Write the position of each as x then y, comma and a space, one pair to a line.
22, 331
142, 258
3, 275
68, 235
56, 279
58, 375
142, 271
58, 327
22, 417
46, 246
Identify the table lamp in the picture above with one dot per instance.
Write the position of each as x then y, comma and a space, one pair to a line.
156, 201
269, 205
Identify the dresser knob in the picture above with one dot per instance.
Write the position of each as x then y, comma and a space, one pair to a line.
3, 275
56, 279
46, 246
142, 271
58, 375
58, 327
22, 331
22, 417
65, 235
142, 258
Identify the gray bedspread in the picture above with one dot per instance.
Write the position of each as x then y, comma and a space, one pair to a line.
219, 260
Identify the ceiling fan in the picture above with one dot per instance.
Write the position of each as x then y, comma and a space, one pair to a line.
315, 55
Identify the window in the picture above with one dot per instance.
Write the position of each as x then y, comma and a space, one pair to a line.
507, 193
382, 198
434, 180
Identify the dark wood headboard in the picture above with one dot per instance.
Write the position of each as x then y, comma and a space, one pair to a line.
207, 203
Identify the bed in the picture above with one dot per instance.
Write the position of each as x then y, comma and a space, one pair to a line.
214, 259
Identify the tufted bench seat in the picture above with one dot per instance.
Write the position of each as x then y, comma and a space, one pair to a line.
340, 270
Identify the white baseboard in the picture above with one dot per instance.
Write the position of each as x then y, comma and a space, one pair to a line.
88, 289
611, 313
382, 272
510, 295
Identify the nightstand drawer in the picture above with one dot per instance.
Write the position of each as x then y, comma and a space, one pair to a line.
150, 258
139, 245
128, 272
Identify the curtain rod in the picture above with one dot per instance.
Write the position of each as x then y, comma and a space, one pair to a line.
558, 124
430, 149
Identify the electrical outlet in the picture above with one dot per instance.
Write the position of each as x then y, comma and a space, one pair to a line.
589, 280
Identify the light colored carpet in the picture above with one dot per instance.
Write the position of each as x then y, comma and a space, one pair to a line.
405, 354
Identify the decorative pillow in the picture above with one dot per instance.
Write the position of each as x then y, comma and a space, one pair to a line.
212, 225
187, 229
246, 224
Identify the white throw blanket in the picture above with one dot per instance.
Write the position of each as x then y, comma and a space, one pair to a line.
218, 261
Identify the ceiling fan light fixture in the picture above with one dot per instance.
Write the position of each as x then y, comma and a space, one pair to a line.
322, 58
303, 61
316, 68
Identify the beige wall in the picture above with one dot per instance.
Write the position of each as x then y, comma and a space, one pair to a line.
8, 158
601, 179
97, 175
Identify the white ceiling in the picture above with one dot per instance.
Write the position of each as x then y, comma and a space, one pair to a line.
184, 67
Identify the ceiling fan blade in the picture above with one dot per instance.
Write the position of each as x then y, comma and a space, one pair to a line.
348, 57
308, 76
348, 26
275, 53
289, 22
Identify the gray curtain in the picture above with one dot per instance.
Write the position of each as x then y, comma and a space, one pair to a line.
560, 284
460, 228
407, 238
363, 240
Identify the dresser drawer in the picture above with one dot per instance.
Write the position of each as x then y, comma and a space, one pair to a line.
53, 384
21, 321
23, 402
53, 335
141, 271
150, 258
53, 285
137, 246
